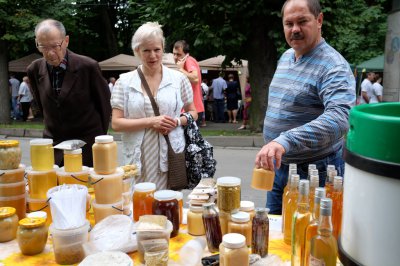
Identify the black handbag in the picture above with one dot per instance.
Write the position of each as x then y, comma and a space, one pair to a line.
177, 177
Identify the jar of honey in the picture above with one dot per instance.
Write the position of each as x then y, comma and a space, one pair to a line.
228, 193
40, 182
165, 203
79, 178
240, 223
233, 251
42, 154
179, 198
108, 188
17, 202
10, 154
105, 158
143, 197
12, 176
195, 221
12, 189
32, 235
248, 206
8, 224
262, 179
73, 160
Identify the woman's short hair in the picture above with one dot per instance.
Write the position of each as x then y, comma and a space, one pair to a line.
147, 31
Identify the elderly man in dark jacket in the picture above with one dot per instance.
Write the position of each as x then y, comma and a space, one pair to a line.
69, 89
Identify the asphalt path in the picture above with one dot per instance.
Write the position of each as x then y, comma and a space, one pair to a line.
231, 161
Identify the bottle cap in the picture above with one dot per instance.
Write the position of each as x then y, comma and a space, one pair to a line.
319, 194
246, 205
104, 139
228, 181
233, 240
179, 195
9, 143
145, 187
304, 187
292, 166
76, 151
195, 208
261, 210
314, 172
294, 180
7, 212
40, 142
162, 195
337, 182
326, 207
32, 222
38, 214
312, 166
240, 217
314, 180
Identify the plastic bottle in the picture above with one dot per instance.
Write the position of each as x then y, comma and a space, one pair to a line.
192, 252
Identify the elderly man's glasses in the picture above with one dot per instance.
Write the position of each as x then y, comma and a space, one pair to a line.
43, 48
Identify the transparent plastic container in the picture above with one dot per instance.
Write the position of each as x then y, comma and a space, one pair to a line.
105, 157
10, 154
12, 189
73, 160
233, 251
79, 178
240, 224
42, 154
102, 211
40, 182
108, 188
12, 176
37, 205
17, 202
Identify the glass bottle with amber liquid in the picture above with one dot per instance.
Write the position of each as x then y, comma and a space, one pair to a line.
314, 183
337, 205
312, 227
330, 174
323, 247
301, 218
285, 195
290, 208
212, 227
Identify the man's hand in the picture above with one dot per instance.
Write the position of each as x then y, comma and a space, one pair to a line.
268, 153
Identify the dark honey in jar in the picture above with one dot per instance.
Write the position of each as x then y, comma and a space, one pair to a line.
165, 203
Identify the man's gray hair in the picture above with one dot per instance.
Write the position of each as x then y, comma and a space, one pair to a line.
47, 24
145, 32
313, 5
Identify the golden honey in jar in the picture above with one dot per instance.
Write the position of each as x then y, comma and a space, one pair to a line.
12, 189
40, 182
165, 203
102, 211
233, 251
105, 159
228, 193
179, 198
79, 178
240, 224
12, 176
248, 206
224, 218
17, 202
108, 189
8, 224
195, 223
143, 197
39, 206
42, 154
32, 235
10, 154
262, 179
73, 160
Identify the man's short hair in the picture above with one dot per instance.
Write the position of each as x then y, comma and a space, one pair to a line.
313, 5
182, 44
47, 23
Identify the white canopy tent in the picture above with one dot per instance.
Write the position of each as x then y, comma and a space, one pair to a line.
123, 62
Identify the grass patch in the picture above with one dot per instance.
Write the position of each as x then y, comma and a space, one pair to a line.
213, 132
25, 125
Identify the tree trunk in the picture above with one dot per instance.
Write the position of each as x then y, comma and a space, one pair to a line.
262, 58
4, 90
109, 36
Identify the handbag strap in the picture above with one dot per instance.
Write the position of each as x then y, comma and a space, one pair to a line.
151, 97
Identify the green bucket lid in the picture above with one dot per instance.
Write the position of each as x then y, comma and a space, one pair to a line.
375, 131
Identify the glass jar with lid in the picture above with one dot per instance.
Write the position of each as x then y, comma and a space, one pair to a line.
143, 198
260, 232
10, 154
212, 226
248, 206
240, 223
42, 154
8, 224
233, 251
228, 193
73, 160
32, 235
165, 203
195, 223
105, 159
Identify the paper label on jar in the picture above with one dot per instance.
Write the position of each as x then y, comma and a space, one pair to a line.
316, 262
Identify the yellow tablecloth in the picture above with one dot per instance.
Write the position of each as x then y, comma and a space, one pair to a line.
10, 255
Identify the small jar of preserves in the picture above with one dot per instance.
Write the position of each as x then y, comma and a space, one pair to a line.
228, 193
10, 154
233, 251
240, 223
73, 160
8, 224
32, 235
165, 203
248, 206
42, 154
105, 160
195, 223
143, 198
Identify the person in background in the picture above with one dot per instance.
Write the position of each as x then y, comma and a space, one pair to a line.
14, 88
25, 98
232, 97
204, 90
247, 102
133, 115
111, 82
188, 65
310, 97
366, 87
70, 91
376, 90
218, 87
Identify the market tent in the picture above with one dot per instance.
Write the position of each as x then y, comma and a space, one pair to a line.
20, 65
120, 62
373, 64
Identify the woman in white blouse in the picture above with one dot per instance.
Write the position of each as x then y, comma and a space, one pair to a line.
133, 115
